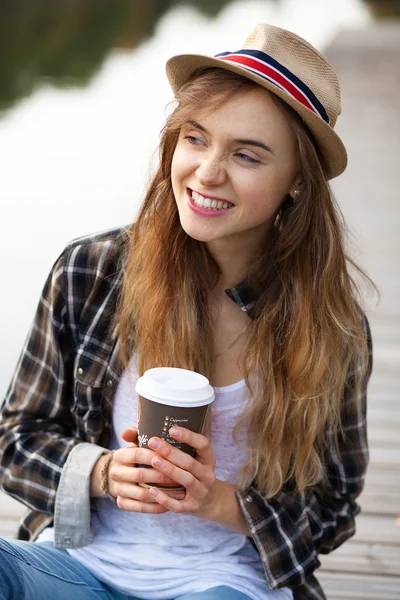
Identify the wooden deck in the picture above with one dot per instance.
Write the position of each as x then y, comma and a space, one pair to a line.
367, 567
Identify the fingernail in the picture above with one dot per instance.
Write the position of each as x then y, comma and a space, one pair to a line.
158, 462
175, 432
180, 496
154, 492
154, 443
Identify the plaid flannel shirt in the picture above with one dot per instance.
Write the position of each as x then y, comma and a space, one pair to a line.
56, 422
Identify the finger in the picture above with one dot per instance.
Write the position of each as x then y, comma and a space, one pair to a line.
142, 494
132, 455
180, 459
130, 435
196, 486
199, 442
186, 506
176, 494
121, 473
141, 507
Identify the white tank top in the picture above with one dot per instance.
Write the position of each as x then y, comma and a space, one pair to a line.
158, 557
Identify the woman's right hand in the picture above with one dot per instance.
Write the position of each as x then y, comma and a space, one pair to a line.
124, 477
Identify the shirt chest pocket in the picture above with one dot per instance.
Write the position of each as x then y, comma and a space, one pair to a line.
93, 391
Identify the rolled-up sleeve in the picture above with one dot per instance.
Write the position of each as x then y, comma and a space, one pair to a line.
72, 508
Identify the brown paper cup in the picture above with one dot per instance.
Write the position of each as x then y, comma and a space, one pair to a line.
168, 397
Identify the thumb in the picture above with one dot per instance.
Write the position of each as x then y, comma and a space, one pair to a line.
130, 435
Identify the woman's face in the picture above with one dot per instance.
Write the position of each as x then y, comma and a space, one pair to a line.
232, 169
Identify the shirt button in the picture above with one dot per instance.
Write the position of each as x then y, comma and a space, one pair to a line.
67, 540
249, 498
109, 382
80, 371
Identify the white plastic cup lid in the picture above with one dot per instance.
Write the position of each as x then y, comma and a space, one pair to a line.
176, 387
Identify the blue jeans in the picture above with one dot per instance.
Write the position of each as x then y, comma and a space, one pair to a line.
30, 571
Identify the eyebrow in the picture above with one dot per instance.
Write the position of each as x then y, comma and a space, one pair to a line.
245, 141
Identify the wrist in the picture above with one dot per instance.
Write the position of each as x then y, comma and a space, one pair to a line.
99, 477
104, 477
212, 509
223, 508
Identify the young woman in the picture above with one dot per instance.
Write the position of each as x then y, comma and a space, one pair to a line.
235, 269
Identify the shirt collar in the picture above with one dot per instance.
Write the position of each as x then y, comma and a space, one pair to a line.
243, 295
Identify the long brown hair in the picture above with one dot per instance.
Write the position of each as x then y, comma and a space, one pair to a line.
306, 339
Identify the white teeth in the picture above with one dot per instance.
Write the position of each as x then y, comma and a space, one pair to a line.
208, 203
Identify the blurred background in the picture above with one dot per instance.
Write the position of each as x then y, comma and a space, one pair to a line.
83, 96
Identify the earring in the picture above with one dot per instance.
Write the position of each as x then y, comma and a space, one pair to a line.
296, 195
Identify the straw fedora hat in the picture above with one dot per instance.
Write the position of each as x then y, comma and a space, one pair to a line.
288, 66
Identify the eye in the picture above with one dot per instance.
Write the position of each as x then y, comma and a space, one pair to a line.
194, 141
246, 158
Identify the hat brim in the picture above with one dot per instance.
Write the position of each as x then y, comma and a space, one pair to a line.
181, 69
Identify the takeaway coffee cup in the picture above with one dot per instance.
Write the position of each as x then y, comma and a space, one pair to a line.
168, 397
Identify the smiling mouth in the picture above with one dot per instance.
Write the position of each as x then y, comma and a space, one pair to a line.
209, 203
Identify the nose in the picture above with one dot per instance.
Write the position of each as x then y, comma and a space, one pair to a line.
211, 171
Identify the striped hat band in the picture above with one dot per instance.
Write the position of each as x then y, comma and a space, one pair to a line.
270, 69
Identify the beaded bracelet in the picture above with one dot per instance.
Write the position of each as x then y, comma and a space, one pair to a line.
104, 477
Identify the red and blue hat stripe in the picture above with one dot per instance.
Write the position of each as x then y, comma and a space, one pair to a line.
267, 67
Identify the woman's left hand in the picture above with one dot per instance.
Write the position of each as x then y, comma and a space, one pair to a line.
196, 475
